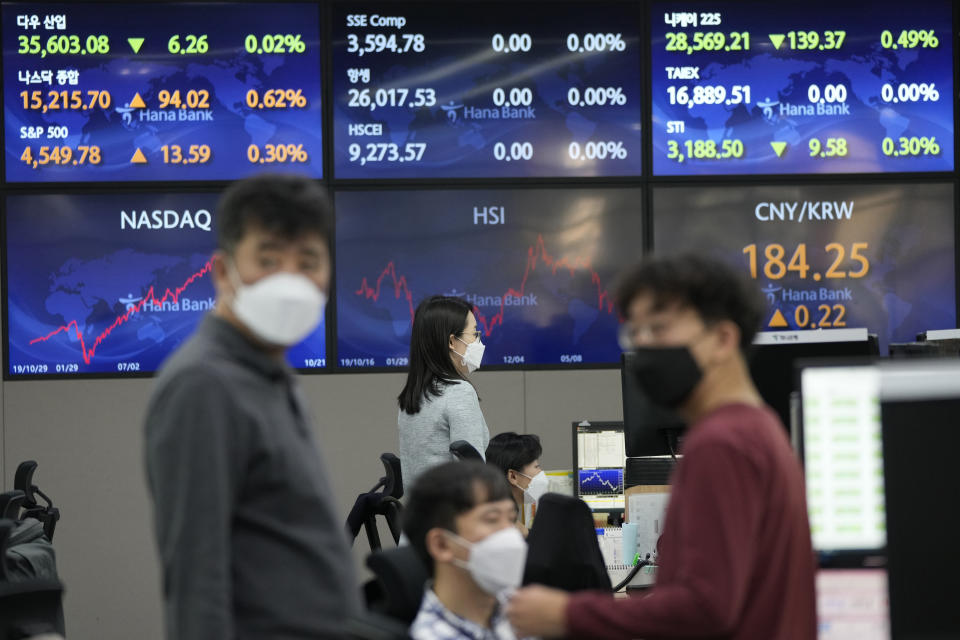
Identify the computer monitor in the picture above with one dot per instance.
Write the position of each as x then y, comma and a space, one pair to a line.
598, 461
920, 402
908, 350
774, 354
649, 430
852, 603
843, 460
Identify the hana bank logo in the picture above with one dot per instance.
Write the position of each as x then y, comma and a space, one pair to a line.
130, 302
767, 105
127, 112
771, 292
451, 110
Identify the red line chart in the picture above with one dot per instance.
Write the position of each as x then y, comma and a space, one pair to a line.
149, 298
536, 254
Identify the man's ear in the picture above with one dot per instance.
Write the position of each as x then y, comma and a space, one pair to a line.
513, 477
439, 545
221, 280
728, 340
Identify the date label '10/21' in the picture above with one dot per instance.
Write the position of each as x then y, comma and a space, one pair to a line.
775, 265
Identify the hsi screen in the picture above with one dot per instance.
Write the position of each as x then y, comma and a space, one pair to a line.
537, 266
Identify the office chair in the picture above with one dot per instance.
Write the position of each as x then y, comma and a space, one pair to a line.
49, 515
400, 578
10, 504
563, 551
383, 500
28, 606
463, 450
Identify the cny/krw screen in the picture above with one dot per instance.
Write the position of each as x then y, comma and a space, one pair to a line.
827, 256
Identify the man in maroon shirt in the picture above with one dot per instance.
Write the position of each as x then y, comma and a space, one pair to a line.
735, 556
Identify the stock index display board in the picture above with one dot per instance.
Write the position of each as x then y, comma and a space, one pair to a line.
486, 90
498, 151
111, 283
537, 265
154, 91
827, 256
812, 87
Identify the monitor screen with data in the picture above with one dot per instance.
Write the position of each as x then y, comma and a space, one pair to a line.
599, 461
843, 457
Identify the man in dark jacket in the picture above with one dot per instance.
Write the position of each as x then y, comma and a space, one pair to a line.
250, 543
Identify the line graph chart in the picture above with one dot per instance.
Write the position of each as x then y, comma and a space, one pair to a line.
600, 481
538, 280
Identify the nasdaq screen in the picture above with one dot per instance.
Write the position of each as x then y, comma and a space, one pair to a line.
826, 256
537, 266
803, 87
152, 91
486, 89
111, 284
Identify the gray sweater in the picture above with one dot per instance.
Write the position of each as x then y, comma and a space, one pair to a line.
425, 437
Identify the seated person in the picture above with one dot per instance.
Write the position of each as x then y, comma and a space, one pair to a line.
460, 518
518, 457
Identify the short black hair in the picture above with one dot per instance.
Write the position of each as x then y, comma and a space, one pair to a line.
513, 450
286, 205
708, 286
431, 367
444, 492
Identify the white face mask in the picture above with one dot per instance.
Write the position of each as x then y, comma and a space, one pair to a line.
280, 309
539, 485
472, 355
496, 563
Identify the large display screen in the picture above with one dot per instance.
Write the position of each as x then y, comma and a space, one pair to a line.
111, 283
802, 87
156, 91
537, 266
486, 89
827, 256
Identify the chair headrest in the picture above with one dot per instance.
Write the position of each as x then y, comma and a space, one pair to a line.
463, 450
402, 574
393, 478
562, 546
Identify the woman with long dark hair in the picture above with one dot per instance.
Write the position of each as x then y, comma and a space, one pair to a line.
438, 405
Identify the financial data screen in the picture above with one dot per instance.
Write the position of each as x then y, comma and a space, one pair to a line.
853, 603
537, 265
843, 457
600, 461
486, 89
827, 256
801, 87
155, 91
111, 283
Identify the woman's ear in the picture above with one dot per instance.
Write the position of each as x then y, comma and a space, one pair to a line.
452, 342
513, 477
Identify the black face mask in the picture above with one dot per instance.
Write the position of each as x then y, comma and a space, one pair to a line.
667, 374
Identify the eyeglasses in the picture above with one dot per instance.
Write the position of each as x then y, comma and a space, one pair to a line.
475, 334
629, 334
